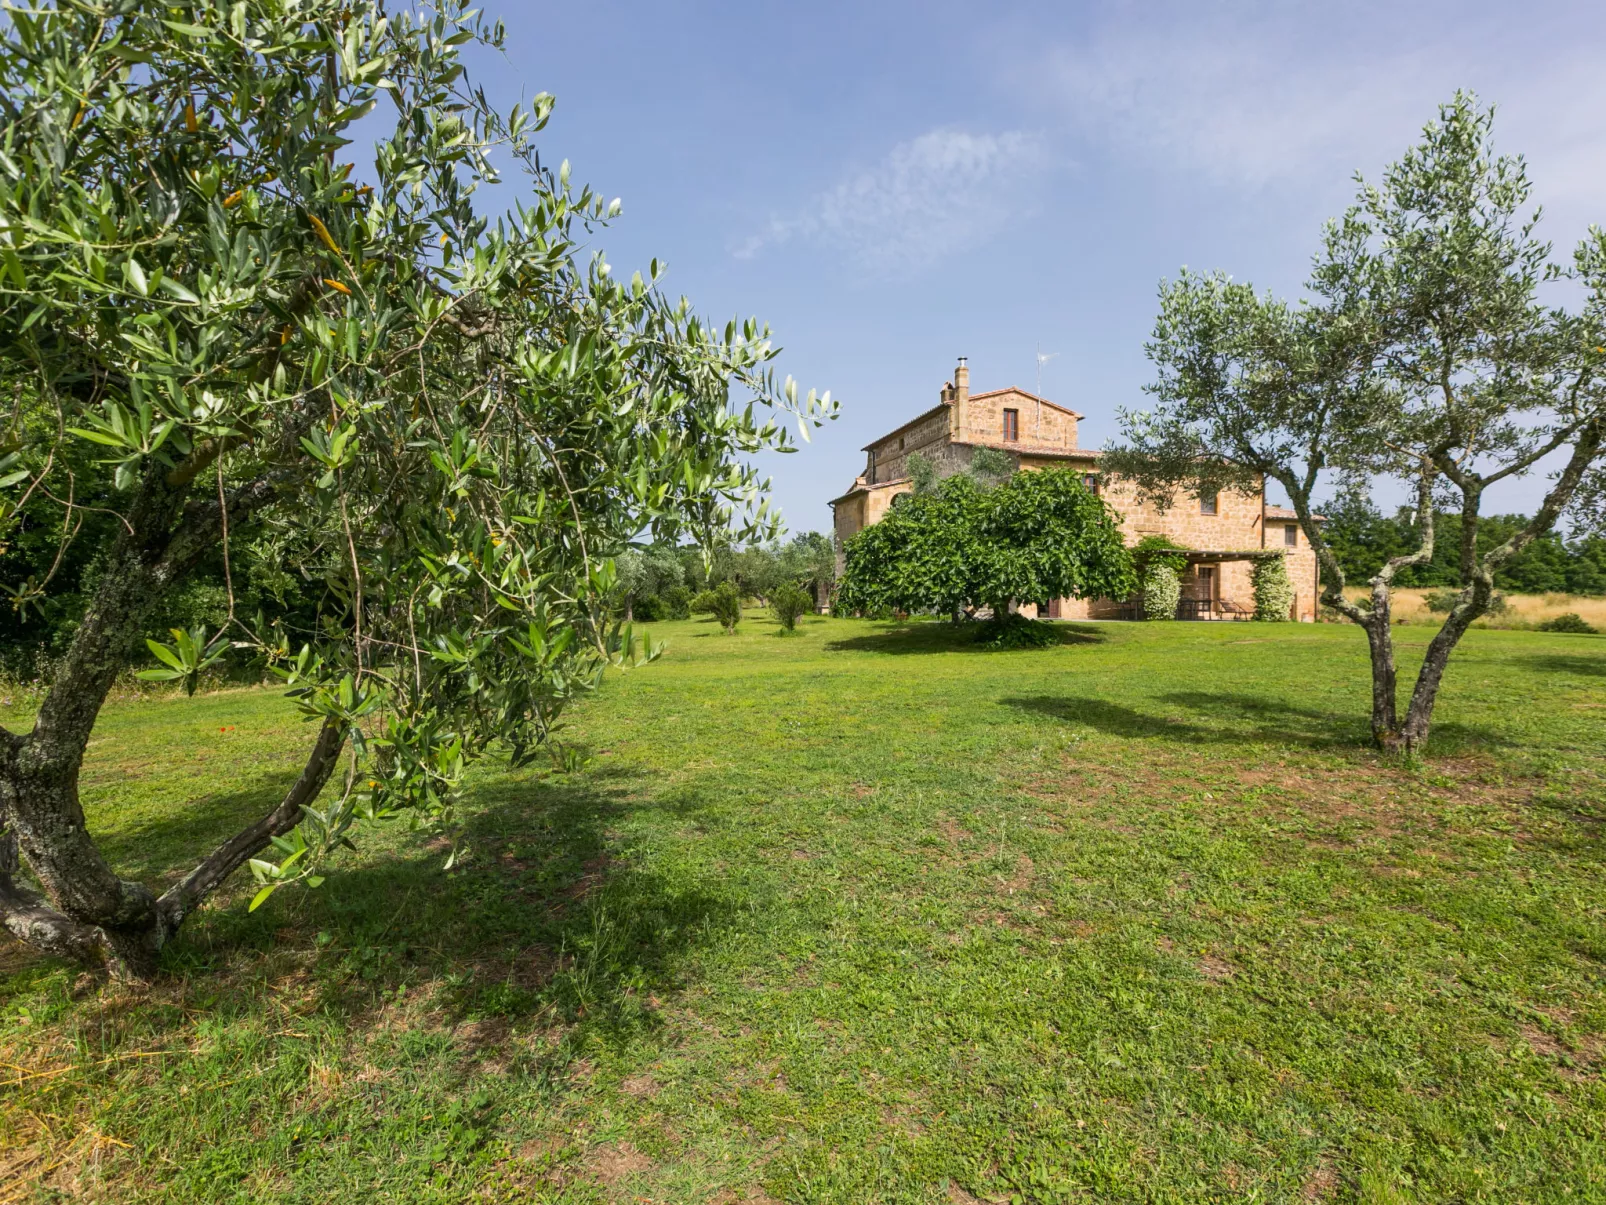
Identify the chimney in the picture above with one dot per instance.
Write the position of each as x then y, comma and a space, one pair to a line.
959, 417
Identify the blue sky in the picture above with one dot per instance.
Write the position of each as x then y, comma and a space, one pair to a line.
892, 185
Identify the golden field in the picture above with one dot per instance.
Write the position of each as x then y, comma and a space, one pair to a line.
1522, 610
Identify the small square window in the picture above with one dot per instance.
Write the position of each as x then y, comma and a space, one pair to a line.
1207, 503
1090, 482
1291, 535
1011, 426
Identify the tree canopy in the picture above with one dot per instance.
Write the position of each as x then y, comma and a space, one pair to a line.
963, 546
443, 419
1423, 352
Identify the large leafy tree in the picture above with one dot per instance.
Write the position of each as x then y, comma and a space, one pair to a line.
964, 546
1424, 352
446, 421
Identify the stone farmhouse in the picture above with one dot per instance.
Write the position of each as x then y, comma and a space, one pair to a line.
1225, 533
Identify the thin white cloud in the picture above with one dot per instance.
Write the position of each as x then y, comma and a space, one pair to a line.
1251, 96
930, 197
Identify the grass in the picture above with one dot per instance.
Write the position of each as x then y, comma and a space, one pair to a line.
872, 914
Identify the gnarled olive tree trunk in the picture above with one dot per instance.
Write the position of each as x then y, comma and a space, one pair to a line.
83, 910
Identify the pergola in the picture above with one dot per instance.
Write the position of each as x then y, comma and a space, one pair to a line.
1218, 556
1220, 608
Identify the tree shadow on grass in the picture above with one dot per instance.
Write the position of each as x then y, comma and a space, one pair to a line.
545, 926
1573, 664
900, 639
1206, 719
542, 919
159, 850
1228, 718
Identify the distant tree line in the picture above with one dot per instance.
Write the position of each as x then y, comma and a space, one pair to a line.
670, 581
1365, 539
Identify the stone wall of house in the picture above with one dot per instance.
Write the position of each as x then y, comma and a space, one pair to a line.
929, 437
1236, 523
1041, 425
860, 509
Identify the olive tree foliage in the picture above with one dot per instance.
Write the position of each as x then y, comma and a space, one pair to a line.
643, 572
448, 422
1424, 352
1037, 536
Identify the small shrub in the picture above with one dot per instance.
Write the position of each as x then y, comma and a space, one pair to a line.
1159, 562
788, 603
725, 601
1442, 602
677, 602
649, 608
702, 603
1015, 632
1570, 622
1274, 593
1162, 590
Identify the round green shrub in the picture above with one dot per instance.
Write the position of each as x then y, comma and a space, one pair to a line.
677, 602
1570, 622
725, 601
1442, 602
788, 603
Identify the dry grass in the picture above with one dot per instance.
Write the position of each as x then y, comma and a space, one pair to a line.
1523, 610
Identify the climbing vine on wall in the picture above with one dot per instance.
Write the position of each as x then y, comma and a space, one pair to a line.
1162, 590
1274, 593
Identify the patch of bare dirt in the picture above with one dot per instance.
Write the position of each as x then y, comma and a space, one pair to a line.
541, 1148
615, 1161
1321, 1185
1541, 1042
751, 1195
641, 1085
591, 874
1022, 877
1216, 970
489, 1033
959, 1196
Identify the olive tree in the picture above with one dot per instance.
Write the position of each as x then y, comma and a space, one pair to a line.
445, 418
1423, 352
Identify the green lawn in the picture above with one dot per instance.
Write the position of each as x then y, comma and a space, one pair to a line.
867, 915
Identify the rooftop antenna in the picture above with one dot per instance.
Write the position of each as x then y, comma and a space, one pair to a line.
1041, 360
